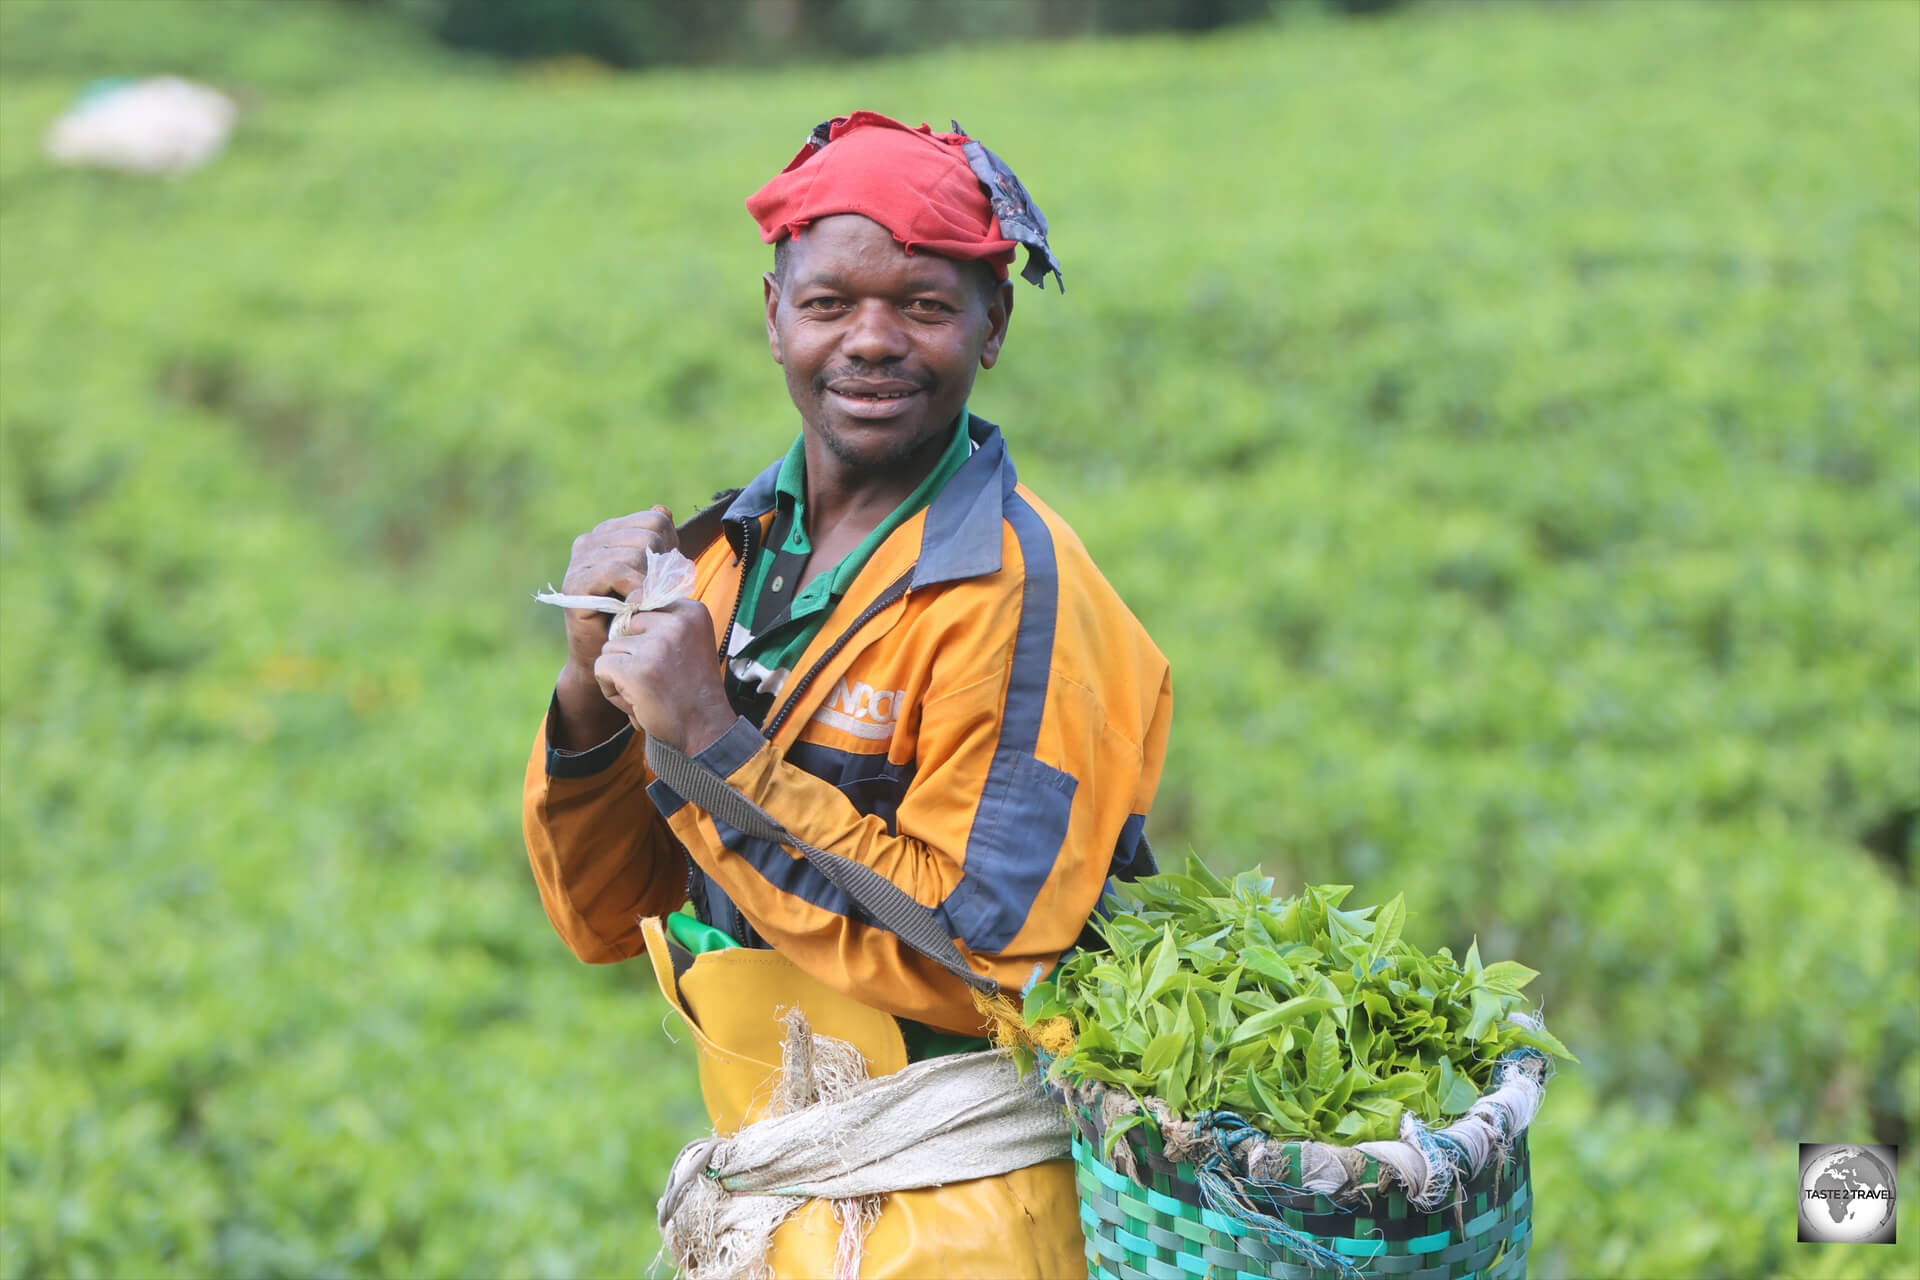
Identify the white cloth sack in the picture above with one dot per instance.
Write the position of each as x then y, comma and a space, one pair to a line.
946, 1119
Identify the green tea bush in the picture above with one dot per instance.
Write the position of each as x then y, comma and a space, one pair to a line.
1503, 416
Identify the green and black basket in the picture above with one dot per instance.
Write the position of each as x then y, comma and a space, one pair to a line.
1159, 1226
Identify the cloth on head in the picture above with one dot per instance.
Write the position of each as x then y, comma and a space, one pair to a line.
923, 187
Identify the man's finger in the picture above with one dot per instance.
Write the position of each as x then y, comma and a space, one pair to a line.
690, 609
627, 537
657, 520
611, 692
603, 578
653, 517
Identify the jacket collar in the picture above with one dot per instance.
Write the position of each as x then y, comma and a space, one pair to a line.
961, 535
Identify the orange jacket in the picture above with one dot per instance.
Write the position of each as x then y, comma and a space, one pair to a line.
980, 720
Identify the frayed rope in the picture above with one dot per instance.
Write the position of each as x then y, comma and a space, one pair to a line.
1224, 1187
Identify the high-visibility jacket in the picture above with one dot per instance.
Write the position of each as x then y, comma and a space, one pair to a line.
980, 720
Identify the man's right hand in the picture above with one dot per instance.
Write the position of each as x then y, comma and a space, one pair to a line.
610, 561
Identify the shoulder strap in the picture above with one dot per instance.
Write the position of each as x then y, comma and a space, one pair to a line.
879, 897
698, 530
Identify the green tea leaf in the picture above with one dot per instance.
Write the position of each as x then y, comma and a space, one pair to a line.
1163, 965
1336, 1099
1323, 1055
1508, 977
1266, 962
1118, 1130
1542, 1039
1360, 1039
1045, 1001
1455, 1093
1387, 1109
1402, 1085
1328, 990
1214, 885
1162, 1053
1486, 1008
1296, 1010
1171, 1086
1388, 924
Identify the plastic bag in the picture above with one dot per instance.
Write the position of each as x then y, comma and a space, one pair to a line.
669, 577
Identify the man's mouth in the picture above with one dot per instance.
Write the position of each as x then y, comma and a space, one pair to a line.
872, 397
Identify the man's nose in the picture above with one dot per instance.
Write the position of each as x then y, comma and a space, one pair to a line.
875, 333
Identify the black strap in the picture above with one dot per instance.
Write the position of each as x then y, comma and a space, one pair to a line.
699, 530
879, 897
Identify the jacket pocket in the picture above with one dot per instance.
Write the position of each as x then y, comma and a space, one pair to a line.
1017, 835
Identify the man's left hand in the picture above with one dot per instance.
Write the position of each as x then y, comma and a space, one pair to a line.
665, 676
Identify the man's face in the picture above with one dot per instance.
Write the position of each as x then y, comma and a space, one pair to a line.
880, 346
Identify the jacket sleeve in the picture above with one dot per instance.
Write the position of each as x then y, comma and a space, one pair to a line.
1011, 848
601, 854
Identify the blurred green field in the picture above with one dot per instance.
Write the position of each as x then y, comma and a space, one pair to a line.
1506, 417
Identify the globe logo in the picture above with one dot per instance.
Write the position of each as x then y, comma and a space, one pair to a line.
1847, 1194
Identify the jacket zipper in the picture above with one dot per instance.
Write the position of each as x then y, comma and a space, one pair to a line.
736, 928
893, 591
744, 554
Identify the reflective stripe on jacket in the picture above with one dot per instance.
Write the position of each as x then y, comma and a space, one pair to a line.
989, 739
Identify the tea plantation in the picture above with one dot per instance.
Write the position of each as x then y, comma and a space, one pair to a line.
1506, 417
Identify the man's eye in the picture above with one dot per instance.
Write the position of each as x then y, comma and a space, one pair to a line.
821, 304
928, 306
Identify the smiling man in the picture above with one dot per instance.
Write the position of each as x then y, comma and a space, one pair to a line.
893, 649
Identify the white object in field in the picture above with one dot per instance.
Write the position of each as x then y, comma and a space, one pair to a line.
161, 126
669, 577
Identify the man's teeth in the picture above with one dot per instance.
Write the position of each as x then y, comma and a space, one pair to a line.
891, 395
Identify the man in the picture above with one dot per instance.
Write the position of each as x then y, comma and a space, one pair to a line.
892, 647
988, 737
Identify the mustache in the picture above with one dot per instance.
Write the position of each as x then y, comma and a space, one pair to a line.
922, 380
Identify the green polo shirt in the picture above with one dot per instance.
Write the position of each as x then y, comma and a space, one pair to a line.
807, 608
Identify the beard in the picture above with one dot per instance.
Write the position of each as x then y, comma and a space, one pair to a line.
877, 446
889, 454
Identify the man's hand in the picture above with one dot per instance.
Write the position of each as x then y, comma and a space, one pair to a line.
666, 676
610, 561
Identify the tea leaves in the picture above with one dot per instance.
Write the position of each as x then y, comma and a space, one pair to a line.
1310, 1019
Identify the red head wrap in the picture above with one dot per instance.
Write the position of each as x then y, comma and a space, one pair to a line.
914, 182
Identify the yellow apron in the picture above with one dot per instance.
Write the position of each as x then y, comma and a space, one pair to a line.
1023, 1225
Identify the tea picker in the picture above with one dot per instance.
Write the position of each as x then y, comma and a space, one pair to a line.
882, 752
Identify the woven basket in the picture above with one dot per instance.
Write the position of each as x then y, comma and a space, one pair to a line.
1159, 1229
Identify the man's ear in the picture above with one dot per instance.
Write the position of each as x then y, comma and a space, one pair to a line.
999, 315
771, 290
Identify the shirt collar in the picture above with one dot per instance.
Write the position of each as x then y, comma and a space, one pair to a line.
790, 482
961, 536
